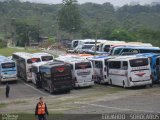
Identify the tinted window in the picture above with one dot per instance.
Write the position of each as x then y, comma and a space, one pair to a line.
35, 69
98, 64
75, 44
106, 48
139, 62
47, 58
33, 60
157, 61
83, 65
117, 51
8, 65
15, 57
61, 71
115, 64
87, 46
125, 65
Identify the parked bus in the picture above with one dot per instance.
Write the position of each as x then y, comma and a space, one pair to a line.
135, 49
56, 76
76, 43
35, 73
44, 56
82, 70
129, 71
154, 64
8, 70
24, 61
100, 68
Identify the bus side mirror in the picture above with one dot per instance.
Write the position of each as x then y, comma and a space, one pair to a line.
105, 69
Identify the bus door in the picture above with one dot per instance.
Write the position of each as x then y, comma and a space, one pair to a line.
34, 74
140, 70
158, 67
46, 77
98, 70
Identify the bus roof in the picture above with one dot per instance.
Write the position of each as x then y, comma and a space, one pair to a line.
101, 57
41, 54
126, 58
53, 64
37, 64
139, 47
72, 59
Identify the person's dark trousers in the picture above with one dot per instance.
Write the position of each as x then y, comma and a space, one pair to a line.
7, 93
41, 117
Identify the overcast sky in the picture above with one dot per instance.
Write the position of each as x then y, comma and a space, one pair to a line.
114, 2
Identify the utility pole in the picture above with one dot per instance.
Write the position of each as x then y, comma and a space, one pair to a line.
97, 23
13, 31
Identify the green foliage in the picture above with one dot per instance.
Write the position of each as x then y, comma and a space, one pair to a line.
25, 33
3, 43
69, 18
10, 51
135, 22
51, 40
121, 34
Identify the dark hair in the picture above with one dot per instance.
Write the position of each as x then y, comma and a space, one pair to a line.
40, 98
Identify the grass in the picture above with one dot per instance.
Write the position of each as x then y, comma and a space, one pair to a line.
9, 51
2, 105
24, 116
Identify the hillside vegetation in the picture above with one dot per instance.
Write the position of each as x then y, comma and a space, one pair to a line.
129, 23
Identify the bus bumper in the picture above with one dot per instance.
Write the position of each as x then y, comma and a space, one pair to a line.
63, 88
6, 79
141, 83
84, 84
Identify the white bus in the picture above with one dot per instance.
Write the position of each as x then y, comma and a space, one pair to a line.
82, 70
76, 43
44, 56
35, 73
129, 71
8, 70
24, 61
100, 68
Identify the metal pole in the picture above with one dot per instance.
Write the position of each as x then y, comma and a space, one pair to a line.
97, 22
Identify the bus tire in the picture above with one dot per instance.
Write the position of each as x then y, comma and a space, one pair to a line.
151, 85
124, 86
110, 82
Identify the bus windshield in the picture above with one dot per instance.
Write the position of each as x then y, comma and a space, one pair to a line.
33, 60
139, 62
83, 65
47, 58
117, 51
8, 65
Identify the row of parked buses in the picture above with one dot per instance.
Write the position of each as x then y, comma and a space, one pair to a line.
111, 47
68, 71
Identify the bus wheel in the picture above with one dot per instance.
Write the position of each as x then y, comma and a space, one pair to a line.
151, 85
124, 86
110, 82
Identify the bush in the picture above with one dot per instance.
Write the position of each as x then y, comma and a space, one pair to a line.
3, 43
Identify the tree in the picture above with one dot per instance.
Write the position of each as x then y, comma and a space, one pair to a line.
25, 32
69, 18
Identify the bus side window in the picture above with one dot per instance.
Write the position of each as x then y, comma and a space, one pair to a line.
157, 61
125, 65
115, 64
98, 64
